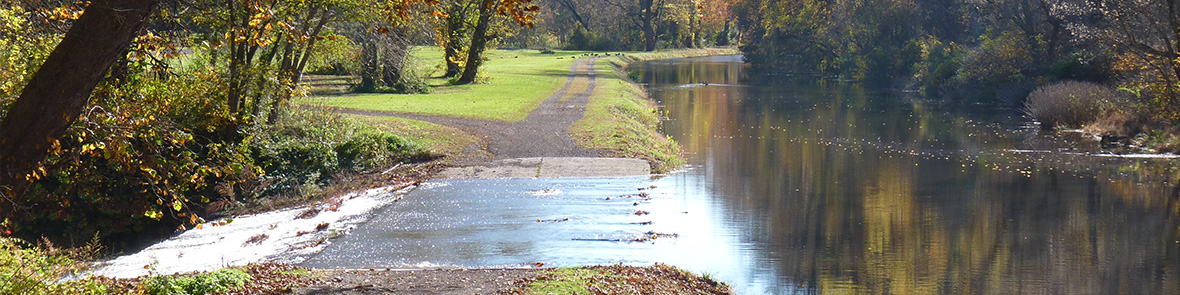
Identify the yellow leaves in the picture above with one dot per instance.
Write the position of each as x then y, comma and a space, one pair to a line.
36, 175
89, 147
153, 214
65, 13
257, 20
148, 170
439, 14
177, 205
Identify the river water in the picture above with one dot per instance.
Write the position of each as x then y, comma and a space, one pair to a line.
800, 188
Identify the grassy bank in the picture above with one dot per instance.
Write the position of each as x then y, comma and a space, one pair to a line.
620, 117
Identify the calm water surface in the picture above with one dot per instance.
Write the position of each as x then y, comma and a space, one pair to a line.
813, 188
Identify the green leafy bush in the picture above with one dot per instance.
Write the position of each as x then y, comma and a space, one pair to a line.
334, 55
23, 47
997, 60
309, 146
204, 283
25, 269
138, 161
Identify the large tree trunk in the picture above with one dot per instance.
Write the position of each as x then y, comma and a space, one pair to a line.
370, 71
648, 15
61, 88
454, 37
479, 40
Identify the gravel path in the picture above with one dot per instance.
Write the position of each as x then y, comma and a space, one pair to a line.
544, 133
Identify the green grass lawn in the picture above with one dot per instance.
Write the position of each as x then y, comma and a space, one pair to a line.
512, 84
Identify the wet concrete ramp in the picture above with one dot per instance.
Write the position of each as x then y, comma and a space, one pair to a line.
552, 167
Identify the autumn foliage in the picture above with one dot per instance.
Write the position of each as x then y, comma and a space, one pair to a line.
185, 125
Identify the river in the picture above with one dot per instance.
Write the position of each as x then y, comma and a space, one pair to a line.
801, 188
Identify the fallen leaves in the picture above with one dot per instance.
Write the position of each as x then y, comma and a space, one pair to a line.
658, 279
257, 239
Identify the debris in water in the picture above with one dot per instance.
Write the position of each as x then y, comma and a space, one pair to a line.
256, 239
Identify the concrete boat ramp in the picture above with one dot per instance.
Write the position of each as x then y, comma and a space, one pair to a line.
551, 167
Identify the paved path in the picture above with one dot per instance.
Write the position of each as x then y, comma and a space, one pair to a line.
543, 134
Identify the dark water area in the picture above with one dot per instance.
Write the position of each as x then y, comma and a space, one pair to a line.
805, 188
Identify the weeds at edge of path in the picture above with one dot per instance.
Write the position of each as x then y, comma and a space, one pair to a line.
619, 279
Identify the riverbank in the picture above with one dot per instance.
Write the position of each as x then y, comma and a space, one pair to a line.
287, 279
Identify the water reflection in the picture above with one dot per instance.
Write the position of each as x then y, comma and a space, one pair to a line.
837, 189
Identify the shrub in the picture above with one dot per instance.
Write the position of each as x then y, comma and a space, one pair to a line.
997, 60
307, 147
204, 283
135, 163
1071, 104
334, 55
31, 270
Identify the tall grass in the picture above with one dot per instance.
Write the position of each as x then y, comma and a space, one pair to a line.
1072, 104
26, 269
204, 283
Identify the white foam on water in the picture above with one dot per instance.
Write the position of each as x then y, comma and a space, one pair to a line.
288, 239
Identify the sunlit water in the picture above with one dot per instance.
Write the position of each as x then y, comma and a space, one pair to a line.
813, 188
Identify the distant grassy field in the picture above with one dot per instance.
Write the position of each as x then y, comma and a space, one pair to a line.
512, 84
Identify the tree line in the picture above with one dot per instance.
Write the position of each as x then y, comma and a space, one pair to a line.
935, 44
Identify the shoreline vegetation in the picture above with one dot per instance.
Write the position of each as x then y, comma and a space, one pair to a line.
1110, 70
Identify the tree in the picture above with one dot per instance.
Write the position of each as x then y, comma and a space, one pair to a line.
57, 93
453, 34
1144, 36
519, 11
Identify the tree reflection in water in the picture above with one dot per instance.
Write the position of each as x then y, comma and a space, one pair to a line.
849, 190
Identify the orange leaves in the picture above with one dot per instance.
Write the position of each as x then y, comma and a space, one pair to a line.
395, 11
521, 11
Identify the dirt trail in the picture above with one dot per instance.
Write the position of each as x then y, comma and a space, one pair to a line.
544, 133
